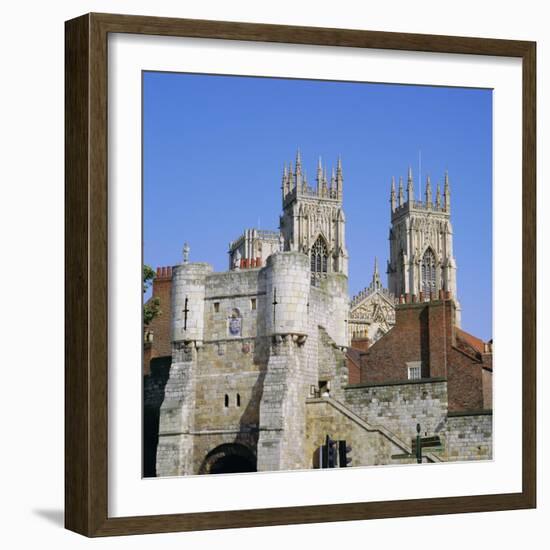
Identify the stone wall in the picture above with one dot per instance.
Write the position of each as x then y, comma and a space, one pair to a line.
369, 448
470, 436
154, 384
176, 422
399, 407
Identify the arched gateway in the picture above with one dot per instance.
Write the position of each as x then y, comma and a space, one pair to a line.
229, 458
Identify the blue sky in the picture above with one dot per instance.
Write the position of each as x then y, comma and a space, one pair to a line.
214, 149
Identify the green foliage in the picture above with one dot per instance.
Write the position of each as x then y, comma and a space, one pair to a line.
151, 308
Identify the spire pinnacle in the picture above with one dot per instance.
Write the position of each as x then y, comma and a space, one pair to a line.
285, 182
298, 175
401, 197
438, 196
339, 179
410, 186
392, 194
446, 193
428, 190
376, 283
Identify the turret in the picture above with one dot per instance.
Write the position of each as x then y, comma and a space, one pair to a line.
339, 179
287, 289
376, 282
438, 196
188, 291
401, 193
286, 183
410, 187
298, 175
319, 178
322, 187
392, 194
428, 192
446, 193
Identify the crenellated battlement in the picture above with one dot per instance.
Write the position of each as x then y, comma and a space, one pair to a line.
164, 273
295, 184
400, 206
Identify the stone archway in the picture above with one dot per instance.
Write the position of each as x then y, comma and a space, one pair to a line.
229, 458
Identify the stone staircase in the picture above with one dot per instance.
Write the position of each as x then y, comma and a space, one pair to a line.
396, 440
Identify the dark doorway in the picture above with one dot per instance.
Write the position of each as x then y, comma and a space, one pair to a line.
232, 464
229, 458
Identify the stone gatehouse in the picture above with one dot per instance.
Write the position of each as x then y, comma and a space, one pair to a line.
259, 364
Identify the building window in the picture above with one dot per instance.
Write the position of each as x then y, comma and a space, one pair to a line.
216, 307
226, 400
415, 373
238, 400
253, 304
428, 272
319, 260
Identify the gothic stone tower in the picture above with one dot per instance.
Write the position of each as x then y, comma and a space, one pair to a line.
313, 220
421, 243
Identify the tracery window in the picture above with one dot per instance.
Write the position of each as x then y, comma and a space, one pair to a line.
319, 260
428, 272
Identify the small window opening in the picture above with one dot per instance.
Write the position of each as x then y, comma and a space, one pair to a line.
253, 304
226, 400
415, 373
324, 388
216, 307
238, 400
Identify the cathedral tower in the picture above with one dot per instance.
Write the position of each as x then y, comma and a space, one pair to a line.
421, 242
313, 220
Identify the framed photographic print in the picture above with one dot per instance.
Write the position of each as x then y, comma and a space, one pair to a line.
300, 280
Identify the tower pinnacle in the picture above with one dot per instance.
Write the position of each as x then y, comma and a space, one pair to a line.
392, 194
428, 191
319, 172
286, 186
339, 178
376, 282
447, 193
298, 171
410, 186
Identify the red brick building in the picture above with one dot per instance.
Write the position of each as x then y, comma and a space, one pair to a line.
157, 333
426, 343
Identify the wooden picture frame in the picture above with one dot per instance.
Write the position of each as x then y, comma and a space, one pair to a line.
86, 280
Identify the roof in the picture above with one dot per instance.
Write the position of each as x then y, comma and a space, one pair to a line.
472, 341
353, 357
